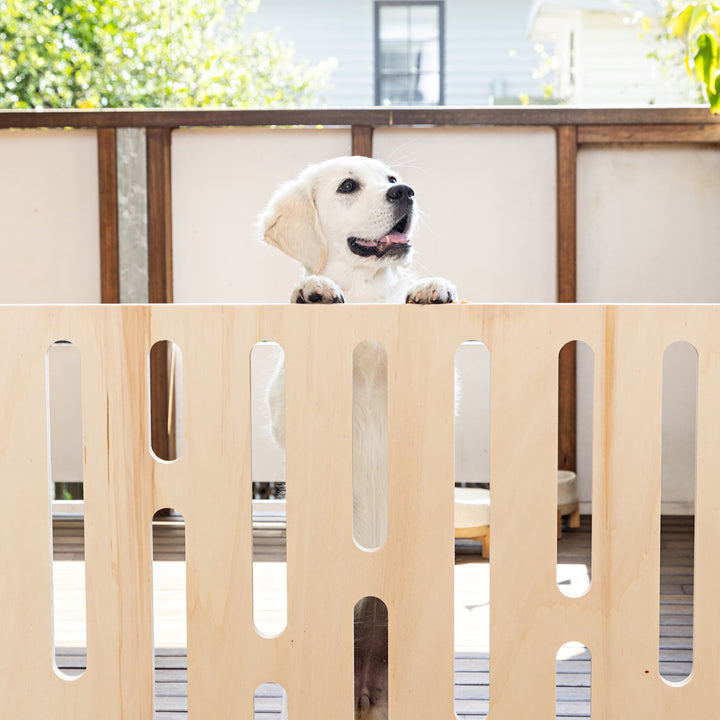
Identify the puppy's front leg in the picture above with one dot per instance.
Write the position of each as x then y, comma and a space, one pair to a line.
371, 660
317, 289
431, 291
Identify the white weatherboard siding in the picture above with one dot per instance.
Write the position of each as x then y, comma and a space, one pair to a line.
487, 51
601, 53
613, 64
321, 29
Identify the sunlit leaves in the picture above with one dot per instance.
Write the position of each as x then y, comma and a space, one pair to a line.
706, 69
698, 26
129, 53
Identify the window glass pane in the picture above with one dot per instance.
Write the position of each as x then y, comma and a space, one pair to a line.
424, 22
394, 22
428, 89
409, 54
427, 56
394, 56
395, 90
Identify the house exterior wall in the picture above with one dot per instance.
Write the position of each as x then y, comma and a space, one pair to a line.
490, 58
601, 54
613, 67
488, 55
321, 29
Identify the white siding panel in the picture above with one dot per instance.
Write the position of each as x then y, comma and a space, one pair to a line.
49, 234
614, 65
222, 179
318, 29
487, 48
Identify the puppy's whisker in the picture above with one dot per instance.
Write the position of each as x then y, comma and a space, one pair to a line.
421, 265
394, 159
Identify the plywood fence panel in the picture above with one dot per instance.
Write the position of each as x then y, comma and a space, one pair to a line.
327, 572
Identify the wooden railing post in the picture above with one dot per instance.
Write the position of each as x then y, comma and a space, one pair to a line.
362, 140
108, 208
160, 280
567, 291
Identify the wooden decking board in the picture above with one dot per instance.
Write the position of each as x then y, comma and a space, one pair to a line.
573, 675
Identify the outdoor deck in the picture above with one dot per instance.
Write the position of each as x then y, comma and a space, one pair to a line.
471, 614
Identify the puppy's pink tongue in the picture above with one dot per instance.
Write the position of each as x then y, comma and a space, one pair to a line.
395, 239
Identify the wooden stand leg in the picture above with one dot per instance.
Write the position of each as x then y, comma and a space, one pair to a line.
559, 525
486, 545
574, 519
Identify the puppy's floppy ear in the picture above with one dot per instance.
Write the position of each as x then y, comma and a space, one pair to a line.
291, 223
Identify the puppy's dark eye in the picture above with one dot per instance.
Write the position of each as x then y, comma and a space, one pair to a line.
392, 179
348, 186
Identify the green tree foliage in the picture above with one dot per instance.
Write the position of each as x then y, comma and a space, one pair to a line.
696, 27
146, 53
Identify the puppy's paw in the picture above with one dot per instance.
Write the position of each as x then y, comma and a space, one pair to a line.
317, 289
432, 291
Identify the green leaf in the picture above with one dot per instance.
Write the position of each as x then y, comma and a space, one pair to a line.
714, 21
688, 20
707, 62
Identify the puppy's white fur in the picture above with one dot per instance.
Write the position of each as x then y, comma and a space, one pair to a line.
311, 219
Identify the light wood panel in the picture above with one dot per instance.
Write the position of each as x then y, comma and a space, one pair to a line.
530, 619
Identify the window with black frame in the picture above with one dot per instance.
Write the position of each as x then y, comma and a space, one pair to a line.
409, 53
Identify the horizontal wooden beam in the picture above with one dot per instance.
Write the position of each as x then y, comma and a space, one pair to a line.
551, 116
638, 134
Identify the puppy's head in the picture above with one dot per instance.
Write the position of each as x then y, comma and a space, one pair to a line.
350, 210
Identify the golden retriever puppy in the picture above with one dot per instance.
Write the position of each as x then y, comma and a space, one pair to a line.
349, 222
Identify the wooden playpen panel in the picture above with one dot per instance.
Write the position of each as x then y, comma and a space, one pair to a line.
210, 484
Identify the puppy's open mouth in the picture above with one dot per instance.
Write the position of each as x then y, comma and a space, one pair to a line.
395, 243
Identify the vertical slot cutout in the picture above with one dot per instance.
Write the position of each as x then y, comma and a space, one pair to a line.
267, 391
166, 400
472, 523
169, 600
573, 676
370, 445
574, 478
370, 620
270, 701
65, 483
679, 430
472, 528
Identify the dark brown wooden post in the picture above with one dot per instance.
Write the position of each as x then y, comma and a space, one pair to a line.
362, 140
107, 186
159, 201
160, 285
567, 290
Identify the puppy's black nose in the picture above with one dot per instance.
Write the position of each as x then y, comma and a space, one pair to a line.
398, 193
